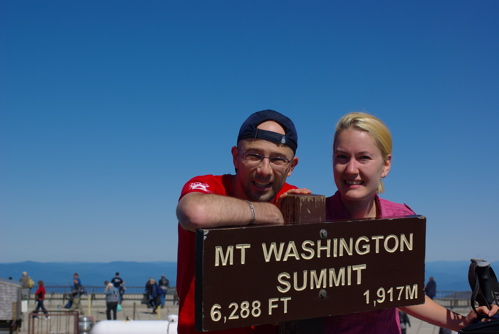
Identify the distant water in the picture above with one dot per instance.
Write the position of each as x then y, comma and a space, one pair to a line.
449, 275
91, 274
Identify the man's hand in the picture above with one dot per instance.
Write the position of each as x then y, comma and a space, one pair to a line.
300, 191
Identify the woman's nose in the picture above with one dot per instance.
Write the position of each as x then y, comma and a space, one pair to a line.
352, 167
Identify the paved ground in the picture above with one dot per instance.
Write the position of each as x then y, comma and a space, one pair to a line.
421, 327
134, 310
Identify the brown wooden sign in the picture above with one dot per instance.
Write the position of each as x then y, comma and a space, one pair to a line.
269, 274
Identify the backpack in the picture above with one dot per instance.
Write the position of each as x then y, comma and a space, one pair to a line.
481, 327
114, 296
484, 292
31, 283
164, 282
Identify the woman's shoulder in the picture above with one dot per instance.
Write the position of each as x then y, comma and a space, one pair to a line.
392, 209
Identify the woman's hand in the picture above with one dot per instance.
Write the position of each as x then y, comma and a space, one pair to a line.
472, 316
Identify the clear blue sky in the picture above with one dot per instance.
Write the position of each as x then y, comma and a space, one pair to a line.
108, 107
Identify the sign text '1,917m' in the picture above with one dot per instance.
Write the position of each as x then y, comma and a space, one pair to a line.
269, 274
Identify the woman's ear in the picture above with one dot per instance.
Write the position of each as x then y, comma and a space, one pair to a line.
387, 165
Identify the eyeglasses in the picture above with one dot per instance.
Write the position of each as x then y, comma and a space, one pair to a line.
255, 159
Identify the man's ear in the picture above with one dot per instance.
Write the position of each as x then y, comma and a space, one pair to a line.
235, 157
293, 164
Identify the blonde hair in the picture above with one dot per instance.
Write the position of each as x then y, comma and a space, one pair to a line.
374, 127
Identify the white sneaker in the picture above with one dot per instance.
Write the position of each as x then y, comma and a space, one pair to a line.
47, 317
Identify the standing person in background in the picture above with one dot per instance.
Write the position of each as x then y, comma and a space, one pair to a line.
40, 297
26, 285
404, 322
431, 288
362, 157
153, 294
76, 277
263, 158
164, 284
112, 299
76, 294
145, 299
119, 284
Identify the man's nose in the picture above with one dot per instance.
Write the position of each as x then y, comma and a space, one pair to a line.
265, 167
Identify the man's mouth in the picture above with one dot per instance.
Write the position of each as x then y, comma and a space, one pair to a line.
262, 185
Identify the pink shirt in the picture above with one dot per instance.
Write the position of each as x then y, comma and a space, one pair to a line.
373, 322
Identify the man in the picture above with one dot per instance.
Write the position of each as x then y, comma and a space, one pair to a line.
263, 158
431, 288
164, 284
76, 294
76, 277
119, 284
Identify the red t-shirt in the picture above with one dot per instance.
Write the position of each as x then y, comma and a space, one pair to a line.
209, 184
40, 293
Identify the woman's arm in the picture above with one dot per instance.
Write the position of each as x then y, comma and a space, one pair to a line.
438, 315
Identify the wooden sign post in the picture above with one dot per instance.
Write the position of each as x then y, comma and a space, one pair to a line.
281, 273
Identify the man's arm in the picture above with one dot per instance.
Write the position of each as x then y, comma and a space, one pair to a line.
198, 210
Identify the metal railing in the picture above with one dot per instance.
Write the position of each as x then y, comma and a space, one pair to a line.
61, 289
59, 322
452, 299
62, 293
445, 298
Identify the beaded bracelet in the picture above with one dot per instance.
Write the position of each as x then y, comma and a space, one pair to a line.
253, 214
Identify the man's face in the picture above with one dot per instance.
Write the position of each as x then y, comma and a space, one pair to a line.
261, 181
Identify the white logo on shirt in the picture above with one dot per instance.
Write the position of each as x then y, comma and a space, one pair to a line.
199, 186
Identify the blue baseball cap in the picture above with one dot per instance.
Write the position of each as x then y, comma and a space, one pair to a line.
249, 129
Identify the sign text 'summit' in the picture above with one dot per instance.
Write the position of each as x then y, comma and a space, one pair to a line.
268, 274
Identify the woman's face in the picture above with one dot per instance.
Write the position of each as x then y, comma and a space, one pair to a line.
358, 165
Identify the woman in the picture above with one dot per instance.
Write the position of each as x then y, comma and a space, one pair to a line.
40, 297
362, 157
153, 294
112, 299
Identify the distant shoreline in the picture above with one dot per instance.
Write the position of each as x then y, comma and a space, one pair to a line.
449, 275
90, 273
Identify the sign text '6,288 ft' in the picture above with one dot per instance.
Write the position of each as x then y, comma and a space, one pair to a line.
268, 274
246, 309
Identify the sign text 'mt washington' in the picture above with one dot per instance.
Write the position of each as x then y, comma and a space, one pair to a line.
268, 274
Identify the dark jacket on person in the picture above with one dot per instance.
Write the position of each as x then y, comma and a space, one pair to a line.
431, 289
